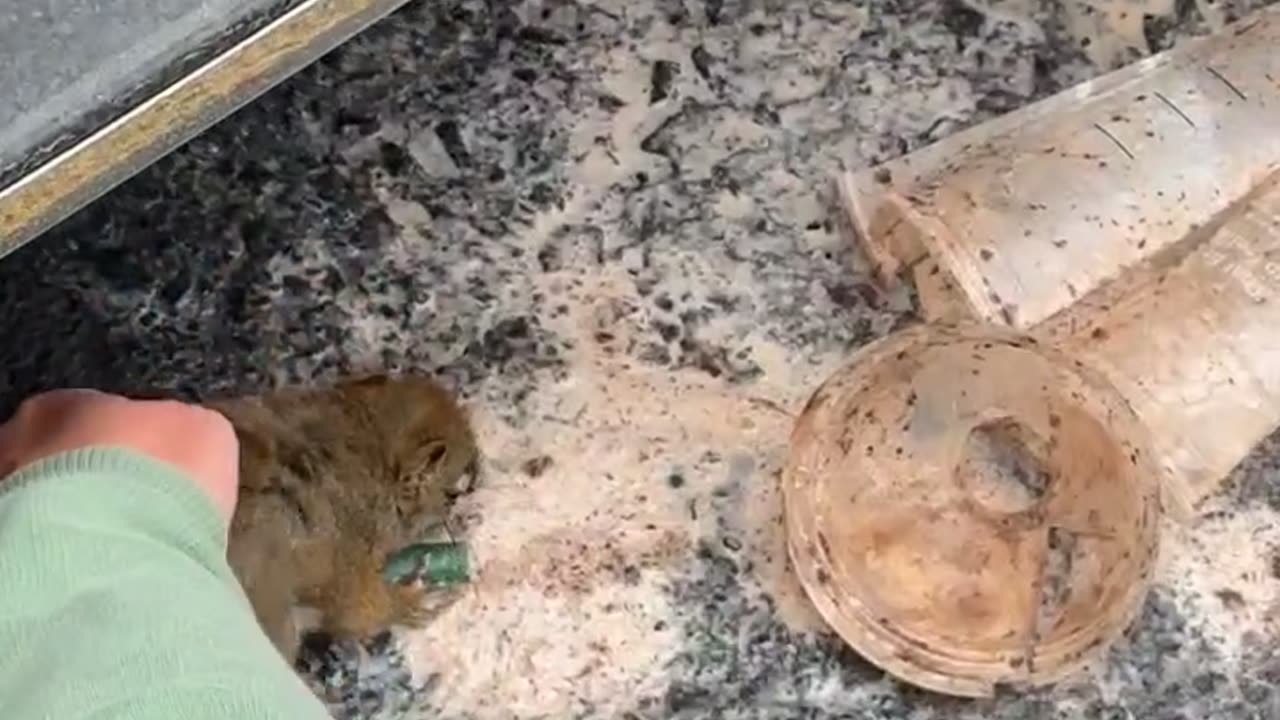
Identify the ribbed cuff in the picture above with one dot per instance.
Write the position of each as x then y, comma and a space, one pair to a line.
151, 492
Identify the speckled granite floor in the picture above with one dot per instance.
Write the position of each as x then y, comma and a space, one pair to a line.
608, 224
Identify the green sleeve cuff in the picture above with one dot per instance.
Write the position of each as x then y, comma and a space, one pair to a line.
117, 602
129, 487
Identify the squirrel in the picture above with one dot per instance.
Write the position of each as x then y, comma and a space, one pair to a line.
332, 480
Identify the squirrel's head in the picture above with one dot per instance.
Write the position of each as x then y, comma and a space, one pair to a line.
433, 453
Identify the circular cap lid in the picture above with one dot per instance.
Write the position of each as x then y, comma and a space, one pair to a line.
967, 509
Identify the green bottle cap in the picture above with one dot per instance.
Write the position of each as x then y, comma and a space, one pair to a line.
439, 564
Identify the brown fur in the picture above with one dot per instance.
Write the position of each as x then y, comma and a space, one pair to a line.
332, 480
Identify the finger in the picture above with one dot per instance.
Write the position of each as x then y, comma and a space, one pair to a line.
52, 403
63, 398
8, 445
31, 419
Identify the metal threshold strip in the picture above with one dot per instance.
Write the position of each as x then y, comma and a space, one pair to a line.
157, 123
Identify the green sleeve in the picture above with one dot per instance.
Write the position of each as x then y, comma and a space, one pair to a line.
116, 600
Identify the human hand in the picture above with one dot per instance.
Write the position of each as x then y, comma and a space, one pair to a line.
196, 440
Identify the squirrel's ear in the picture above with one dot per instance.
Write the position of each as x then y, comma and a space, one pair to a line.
374, 380
433, 454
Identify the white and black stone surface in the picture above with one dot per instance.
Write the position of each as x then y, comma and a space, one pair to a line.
609, 226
